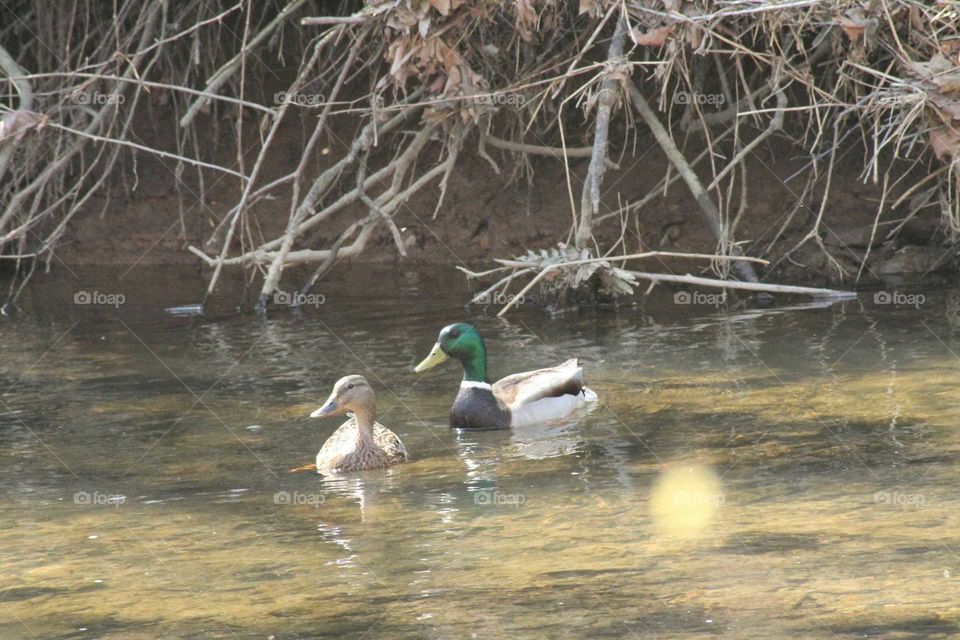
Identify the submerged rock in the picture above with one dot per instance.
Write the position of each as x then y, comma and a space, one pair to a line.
921, 231
914, 260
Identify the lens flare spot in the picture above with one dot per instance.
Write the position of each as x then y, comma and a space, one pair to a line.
685, 500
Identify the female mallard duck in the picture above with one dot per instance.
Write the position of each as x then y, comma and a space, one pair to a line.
360, 442
520, 399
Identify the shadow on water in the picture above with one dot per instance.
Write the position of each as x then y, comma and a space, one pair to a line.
789, 472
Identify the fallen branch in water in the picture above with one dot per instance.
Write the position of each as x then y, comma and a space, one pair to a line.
816, 292
521, 267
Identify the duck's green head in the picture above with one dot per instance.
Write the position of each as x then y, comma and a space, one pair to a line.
460, 341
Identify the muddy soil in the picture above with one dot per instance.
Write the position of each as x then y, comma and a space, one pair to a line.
146, 217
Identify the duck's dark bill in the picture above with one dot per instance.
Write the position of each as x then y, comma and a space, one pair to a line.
436, 357
325, 410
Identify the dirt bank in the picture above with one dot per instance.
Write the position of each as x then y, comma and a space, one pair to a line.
146, 218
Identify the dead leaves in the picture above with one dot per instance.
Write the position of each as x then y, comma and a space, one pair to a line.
426, 49
420, 49
944, 143
420, 13
653, 37
860, 28
526, 19
939, 71
852, 28
939, 77
443, 6
414, 55
951, 47
589, 7
444, 70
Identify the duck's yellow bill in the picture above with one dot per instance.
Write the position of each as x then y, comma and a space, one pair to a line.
436, 357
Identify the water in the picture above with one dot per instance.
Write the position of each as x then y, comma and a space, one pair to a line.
787, 473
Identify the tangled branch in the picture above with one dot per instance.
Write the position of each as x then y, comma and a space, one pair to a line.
419, 78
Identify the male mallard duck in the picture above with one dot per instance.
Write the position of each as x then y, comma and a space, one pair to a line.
360, 442
520, 399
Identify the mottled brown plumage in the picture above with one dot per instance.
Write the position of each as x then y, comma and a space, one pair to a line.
360, 442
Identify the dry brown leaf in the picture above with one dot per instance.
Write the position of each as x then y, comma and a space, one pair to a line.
916, 19
653, 37
434, 115
526, 19
853, 28
443, 6
437, 84
950, 47
937, 65
426, 54
949, 83
939, 71
449, 57
944, 143
402, 18
396, 55
589, 7
945, 108
454, 79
